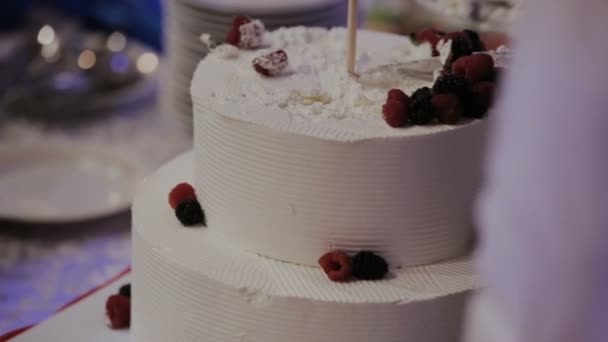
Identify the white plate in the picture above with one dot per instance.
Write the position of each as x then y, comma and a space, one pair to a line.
60, 183
271, 19
260, 7
84, 321
445, 10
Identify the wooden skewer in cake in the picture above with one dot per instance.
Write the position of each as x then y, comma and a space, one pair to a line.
352, 37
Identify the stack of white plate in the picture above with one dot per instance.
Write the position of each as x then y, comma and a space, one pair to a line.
186, 20
482, 15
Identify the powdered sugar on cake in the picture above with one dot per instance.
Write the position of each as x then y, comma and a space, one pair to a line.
252, 34
316, 95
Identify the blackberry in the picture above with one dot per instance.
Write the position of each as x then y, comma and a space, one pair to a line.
190, 213
461, 47
452, 84
125, 290
476, 44
497, 75
420, 107
369, 266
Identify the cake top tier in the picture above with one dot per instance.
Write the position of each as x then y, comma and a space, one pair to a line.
316, 96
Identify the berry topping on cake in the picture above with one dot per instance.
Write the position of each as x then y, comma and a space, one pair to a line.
369, 266
420, 107
481, 100
118, 311
397, 94
271, 64
448, 108
246, 33
458, 35
337, 265
190, 213
395, 113
459, 66
458, 47
234, 34
181, 192
252, 35
125, 290
461, 46
452, 84
476, 68
431, 36
476, 44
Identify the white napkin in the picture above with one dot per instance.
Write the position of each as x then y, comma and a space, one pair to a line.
544, 211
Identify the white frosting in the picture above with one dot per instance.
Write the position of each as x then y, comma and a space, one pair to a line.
293, 166
445, 49
191, 285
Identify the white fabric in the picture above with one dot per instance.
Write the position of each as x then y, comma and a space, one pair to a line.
544, 212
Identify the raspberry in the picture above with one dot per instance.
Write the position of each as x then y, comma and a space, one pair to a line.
476, 44
337, 265
246, 33
459, 66
420, 107
452, 84
397, 94
125, 290
481, 99
369, 266
447, 107
181, 192
118, 310
479, 67
395, 113
431, 36
190, 213
234, 34
252, 34
271, 64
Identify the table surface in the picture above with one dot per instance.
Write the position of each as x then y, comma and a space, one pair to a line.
42, 267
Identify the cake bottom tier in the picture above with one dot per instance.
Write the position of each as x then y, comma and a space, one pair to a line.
190, 284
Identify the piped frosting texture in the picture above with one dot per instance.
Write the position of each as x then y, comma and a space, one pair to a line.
192, 285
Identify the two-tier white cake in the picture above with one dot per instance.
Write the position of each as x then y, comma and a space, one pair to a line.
290, 167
